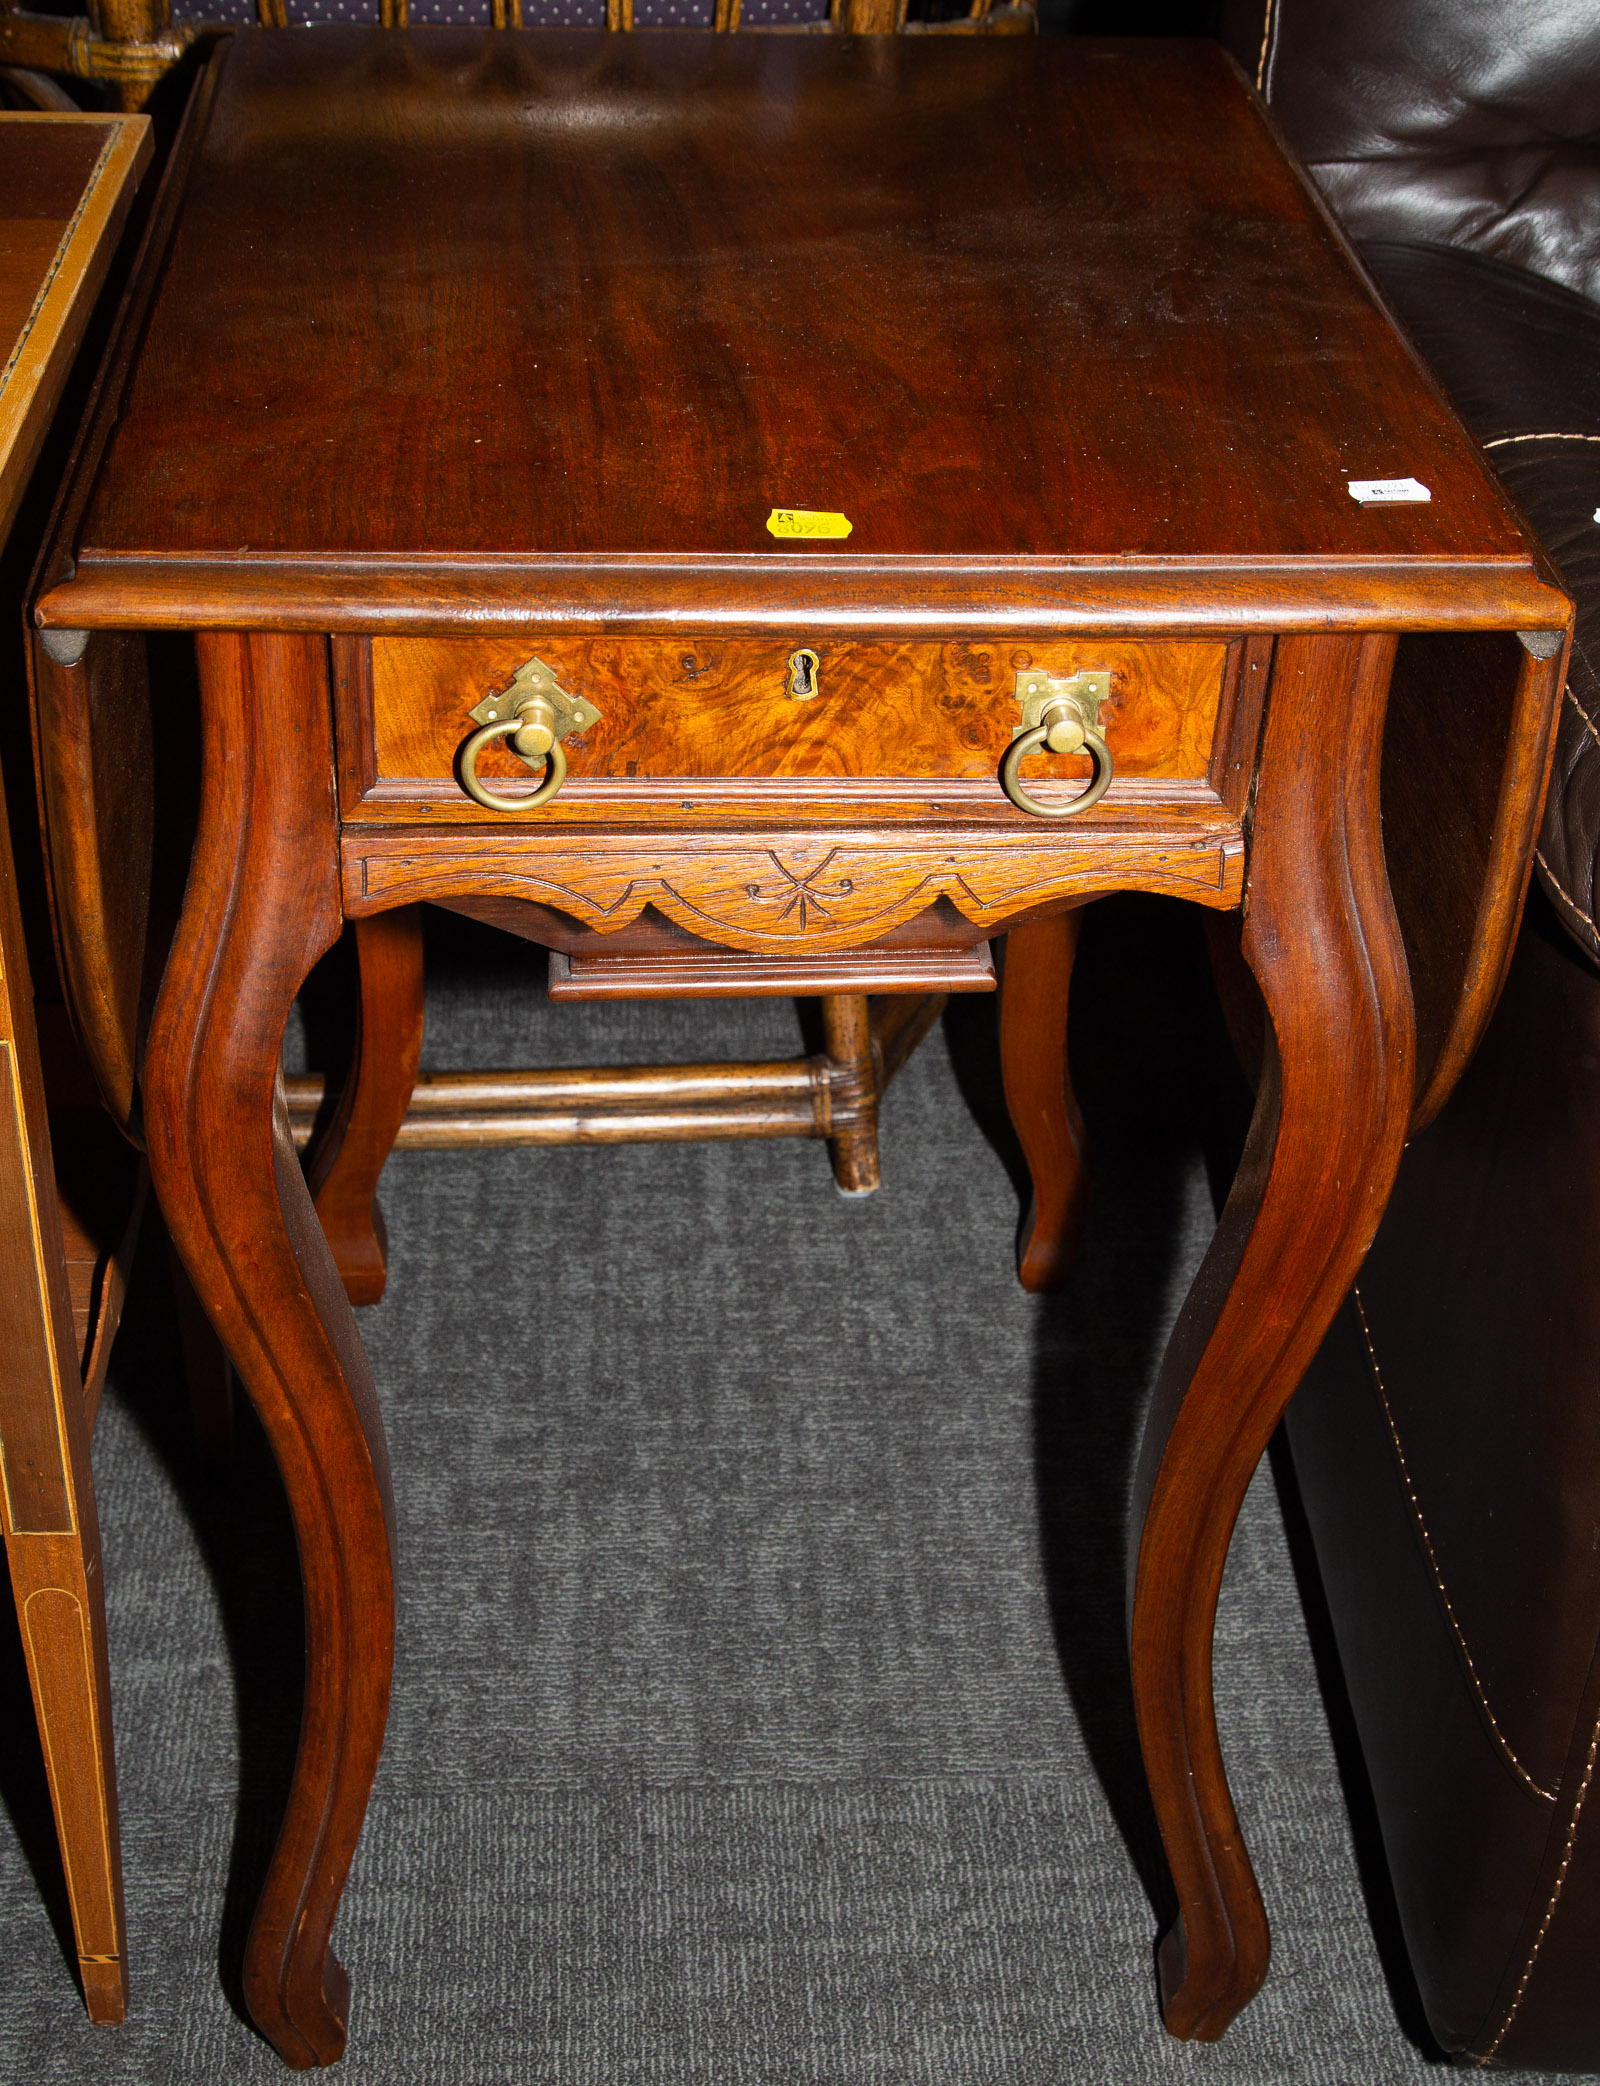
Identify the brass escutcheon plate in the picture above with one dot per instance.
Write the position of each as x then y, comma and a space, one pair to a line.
1086, 691
533, 677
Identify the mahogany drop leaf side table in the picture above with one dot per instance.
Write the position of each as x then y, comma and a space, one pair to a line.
753, 436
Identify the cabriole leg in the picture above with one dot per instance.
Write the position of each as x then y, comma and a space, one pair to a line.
1330, 1121
262, 905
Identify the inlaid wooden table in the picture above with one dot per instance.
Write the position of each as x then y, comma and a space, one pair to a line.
499, 383
66, 184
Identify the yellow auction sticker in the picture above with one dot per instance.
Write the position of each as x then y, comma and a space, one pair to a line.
806, 521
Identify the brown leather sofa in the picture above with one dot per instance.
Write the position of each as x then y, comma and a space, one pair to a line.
1447, 1441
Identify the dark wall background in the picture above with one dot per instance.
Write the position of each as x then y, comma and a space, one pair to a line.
1075, 17
1129, 17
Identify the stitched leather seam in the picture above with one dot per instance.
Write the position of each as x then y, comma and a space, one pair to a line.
1550, 1909
1555, 885
1538, 854
1501, 441
1588, 721
1488, 2057
1548, 1795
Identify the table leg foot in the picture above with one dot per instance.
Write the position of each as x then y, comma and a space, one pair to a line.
262, 905
853, 1080
1038, 1087
1329, 1125
383, 1070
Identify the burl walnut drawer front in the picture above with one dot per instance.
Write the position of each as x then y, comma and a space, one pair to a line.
750, 719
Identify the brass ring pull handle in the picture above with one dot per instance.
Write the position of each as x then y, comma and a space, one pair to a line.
535, 713
532, 737
1063, 728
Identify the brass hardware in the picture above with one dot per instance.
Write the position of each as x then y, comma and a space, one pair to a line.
805, 670
555, 768
535, 713
1035, 688
534, 678
1061, 712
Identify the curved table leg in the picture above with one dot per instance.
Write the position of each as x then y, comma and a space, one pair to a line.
1038, 1086
383, 1070
1330, 1121
262, 905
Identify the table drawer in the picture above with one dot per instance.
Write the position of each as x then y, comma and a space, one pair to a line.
885, 719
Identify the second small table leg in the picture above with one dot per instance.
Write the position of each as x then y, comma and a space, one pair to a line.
853, 1146
1038, 1083
377, 1093
1330, 1122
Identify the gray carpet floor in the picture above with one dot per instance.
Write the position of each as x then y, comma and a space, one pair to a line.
760, 1711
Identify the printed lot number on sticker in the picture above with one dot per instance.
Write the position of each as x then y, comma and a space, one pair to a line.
806, 521
1393, 492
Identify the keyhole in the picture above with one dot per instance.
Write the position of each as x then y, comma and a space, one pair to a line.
803, 671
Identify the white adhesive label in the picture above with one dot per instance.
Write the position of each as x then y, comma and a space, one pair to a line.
1388, 491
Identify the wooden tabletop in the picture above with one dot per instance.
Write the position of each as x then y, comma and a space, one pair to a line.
66, 183
452, 310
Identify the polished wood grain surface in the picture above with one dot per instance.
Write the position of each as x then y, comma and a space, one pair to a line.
937, 938
674, 708
1468, 746
1332, 1105
387, 1050
800, 887
768, 278
45, 167
880, 970
651, 592
66, 185
50, 1519
97, 785
264, 905
94, 725
1043, 1109
618, 1105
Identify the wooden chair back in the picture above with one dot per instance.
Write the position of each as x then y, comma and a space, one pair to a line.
126, 47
